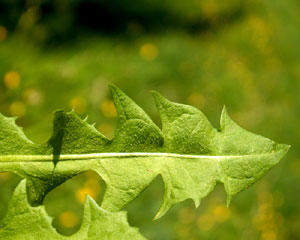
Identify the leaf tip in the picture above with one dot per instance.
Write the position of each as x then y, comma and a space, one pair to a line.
225, 119
196, 202
162, 211
287, 147
228, 201
224, 110
88, 199
157, 216
160, 101
118, 98
157, 96
58, 113
113, 88
283, 148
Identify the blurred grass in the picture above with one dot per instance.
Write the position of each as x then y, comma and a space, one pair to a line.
250, 63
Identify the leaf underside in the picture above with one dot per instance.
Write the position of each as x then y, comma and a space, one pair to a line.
26, 222
189, 153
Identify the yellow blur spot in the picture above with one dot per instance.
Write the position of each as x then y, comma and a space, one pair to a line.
268, 235
106, 129
33, 97
17, 108
108, 109
5, 175
187, 215
29, 17
205, 222
94, 185
183, 232
267, 220
3, 33
265, 197
12, 79
186, 68
261, 34
91, 174
79, 105
278, 199
149, 51
196, 100
82, 192
68, 219
210, 10
221, 213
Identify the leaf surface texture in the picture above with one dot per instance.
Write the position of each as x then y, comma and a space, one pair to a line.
189, 153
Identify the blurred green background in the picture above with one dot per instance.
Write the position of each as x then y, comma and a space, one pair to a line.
244, 54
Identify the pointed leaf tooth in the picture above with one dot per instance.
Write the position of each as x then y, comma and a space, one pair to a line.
39, 186
196, 202
23, 221
228, 200
99, 223
18, 197
161, 103
186, 129
127, 109
170, 111
168, 203
13, 140
236, 140
70, 131
135, 130
223, 118
162, 211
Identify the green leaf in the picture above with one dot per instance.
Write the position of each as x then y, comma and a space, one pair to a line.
23, 221
13, 140
189, 153
98, 223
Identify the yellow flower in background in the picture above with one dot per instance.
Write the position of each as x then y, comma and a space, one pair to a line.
221, 213
267, 219
17, 108
82, 192
183, 232
210, 9
269, 235
3, 33
187, 215
93, 184
149, 51
278, 199
205, 222
5, 175
91, 174
12, 79
106, 129
197, 100
33, 96
29, 17
108, 109
68, 219
79, 105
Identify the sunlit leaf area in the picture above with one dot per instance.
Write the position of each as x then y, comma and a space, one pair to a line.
210, 53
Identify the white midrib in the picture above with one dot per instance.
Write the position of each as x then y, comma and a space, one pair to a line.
91, 156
